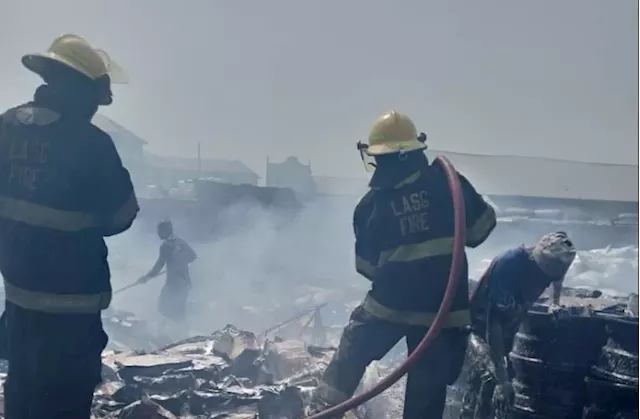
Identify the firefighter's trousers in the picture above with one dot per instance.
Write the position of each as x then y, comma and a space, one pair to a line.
367, 338
54, 363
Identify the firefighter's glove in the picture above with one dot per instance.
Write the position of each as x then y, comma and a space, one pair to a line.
503, 398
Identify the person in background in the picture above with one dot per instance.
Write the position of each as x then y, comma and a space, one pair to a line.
62, 190
510, 286
176, 255
404, 228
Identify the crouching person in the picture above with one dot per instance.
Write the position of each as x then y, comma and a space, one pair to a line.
508, 289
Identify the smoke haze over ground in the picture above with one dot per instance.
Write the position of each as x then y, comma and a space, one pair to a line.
261, 263
263, 267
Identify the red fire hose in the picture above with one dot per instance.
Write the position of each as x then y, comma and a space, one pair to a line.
457, 263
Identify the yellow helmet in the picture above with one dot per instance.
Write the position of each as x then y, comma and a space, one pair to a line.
77, 54
393, 132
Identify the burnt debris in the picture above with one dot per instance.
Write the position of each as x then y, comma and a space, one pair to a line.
227, 374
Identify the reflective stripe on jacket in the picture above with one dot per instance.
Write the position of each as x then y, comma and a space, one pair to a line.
404, 244
437, 247
42, 216
63, 188
62, 220
457, 318
57, 303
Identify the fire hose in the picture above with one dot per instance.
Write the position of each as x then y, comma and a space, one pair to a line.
457, 263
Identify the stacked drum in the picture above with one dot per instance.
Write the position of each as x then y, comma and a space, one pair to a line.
612, 386
551, 357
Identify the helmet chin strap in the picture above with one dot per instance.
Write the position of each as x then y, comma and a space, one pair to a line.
362, 148
402, 155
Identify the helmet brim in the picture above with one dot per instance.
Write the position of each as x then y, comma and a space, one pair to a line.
48, 67
381, 149
43, 64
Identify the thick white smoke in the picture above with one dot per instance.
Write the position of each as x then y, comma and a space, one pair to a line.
263, 266
254, 273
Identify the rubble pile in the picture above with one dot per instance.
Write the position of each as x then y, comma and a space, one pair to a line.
235, 374
228, 374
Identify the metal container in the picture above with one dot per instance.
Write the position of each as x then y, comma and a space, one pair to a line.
618, 360
611, 397
595, 413
612, 387
551, 357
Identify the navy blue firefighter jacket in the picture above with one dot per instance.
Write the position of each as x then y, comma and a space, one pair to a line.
62, 189
404, 228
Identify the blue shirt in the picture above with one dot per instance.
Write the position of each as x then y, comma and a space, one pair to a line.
516, 281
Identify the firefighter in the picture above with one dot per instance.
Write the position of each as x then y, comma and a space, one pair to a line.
62, 190
176, 254
404, 229
512, 284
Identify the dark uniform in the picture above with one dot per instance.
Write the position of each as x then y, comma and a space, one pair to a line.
62, 189
176, 254
404, 229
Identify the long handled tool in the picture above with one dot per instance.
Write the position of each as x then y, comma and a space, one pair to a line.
135, 284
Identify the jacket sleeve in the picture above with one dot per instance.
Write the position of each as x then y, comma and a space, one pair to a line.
366, 252
480, 216
118, 206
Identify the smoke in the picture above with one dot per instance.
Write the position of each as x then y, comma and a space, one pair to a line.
612, 270
257, 268
588, 224
261, 266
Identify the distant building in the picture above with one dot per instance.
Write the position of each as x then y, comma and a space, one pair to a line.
129, 146
529, 182
167, 171
151, 169
546, 177
291, 174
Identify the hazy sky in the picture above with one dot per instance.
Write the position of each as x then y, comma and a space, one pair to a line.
254, 78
